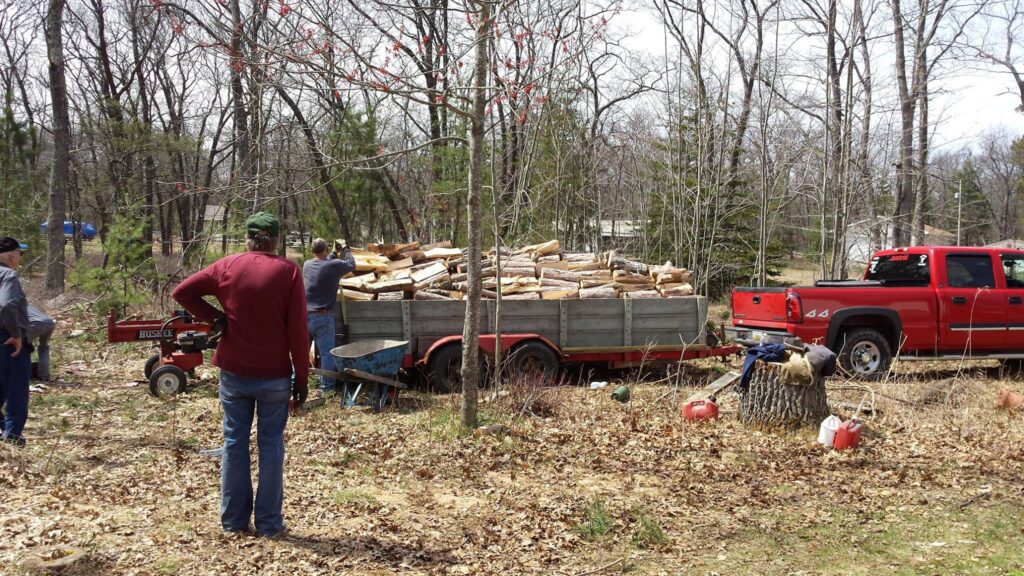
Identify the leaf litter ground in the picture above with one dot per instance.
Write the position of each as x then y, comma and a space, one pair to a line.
588, 486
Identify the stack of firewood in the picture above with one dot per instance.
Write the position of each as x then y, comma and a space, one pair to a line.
536, 272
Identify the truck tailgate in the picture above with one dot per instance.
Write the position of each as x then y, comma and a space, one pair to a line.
758, 306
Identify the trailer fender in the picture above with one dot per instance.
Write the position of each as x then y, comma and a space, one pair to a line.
489, 343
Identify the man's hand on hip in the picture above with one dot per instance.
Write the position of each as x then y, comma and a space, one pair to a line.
16, 342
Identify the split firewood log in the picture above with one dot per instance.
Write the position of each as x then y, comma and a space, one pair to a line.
516, 271
429, 295
549, 259
605, 291
618, 262
675, 290
416, 254
620, 287
440, 253
560, 294
400, 264
391, 296
555, 283
642, 294
523, 296
579, 257
353, 295
390, 250
367, 262
594, 282
556, 274
358, 282
586, 266
625, 277
400, 285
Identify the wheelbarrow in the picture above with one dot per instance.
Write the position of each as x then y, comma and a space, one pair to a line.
368, 362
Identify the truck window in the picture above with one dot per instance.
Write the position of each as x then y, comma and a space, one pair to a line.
969, 271
1013, 269
901, 267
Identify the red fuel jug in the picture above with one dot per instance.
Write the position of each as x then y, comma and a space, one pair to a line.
700, 410
848, 435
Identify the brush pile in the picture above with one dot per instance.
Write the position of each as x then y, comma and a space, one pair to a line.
536, 272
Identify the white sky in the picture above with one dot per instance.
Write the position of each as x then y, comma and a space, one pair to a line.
971, 104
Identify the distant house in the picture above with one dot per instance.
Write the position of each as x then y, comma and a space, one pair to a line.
859, 248
618, 233
214, 214
1012, 244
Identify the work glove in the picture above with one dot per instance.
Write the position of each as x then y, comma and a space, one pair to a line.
300, 391
218, 328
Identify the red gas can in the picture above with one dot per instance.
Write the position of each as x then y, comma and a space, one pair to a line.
700, 410
848, 435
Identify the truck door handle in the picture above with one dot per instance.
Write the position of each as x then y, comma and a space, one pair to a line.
757, 299
959, 300
1015, 299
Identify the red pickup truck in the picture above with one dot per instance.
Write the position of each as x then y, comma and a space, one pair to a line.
926, 302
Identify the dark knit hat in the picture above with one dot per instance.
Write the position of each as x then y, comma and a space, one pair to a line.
8, 244
262, 224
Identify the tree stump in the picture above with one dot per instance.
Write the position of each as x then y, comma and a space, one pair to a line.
770, 403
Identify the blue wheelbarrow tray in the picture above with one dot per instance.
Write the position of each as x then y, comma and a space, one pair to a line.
377, 358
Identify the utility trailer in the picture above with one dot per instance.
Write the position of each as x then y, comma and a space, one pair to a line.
537, 335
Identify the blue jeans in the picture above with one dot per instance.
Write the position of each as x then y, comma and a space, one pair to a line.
321, 330
14, 376
241, 397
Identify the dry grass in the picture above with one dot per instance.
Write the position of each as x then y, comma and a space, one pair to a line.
577, 483
935, 488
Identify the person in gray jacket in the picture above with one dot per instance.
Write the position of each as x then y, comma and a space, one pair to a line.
16, 352
321, 275
41, 327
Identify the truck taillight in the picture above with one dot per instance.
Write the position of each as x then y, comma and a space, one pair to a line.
794, 311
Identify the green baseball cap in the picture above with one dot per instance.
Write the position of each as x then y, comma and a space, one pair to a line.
262, 224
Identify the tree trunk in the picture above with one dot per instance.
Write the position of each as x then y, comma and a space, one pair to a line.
770, 403
59, 177
471, 331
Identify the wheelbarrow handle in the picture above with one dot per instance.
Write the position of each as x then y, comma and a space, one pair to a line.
352, 372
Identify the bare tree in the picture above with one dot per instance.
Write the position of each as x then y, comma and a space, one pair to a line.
61, 148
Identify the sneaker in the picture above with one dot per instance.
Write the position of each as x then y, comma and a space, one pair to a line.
279, 535
240, 531
16, 440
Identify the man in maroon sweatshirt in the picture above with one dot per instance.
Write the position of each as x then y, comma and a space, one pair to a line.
265, 342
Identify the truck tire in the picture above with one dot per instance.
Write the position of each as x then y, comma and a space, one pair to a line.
534, 361
865, 354
446, 369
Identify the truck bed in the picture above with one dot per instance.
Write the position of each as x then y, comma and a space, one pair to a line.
573, 325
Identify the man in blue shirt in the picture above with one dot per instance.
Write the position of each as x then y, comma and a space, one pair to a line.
321, 276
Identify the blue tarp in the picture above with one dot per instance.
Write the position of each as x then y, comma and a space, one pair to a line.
88, 231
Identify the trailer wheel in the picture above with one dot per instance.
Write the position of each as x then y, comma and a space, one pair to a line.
151, 363
166, 381
534, 361
865, 354
446, 369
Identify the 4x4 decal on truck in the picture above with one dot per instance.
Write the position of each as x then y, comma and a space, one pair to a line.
815, 314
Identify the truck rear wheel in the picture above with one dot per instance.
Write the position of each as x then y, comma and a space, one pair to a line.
865, 354
534, 361
446, 369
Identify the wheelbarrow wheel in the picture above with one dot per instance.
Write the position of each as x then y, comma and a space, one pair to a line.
166, 381
151, 364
